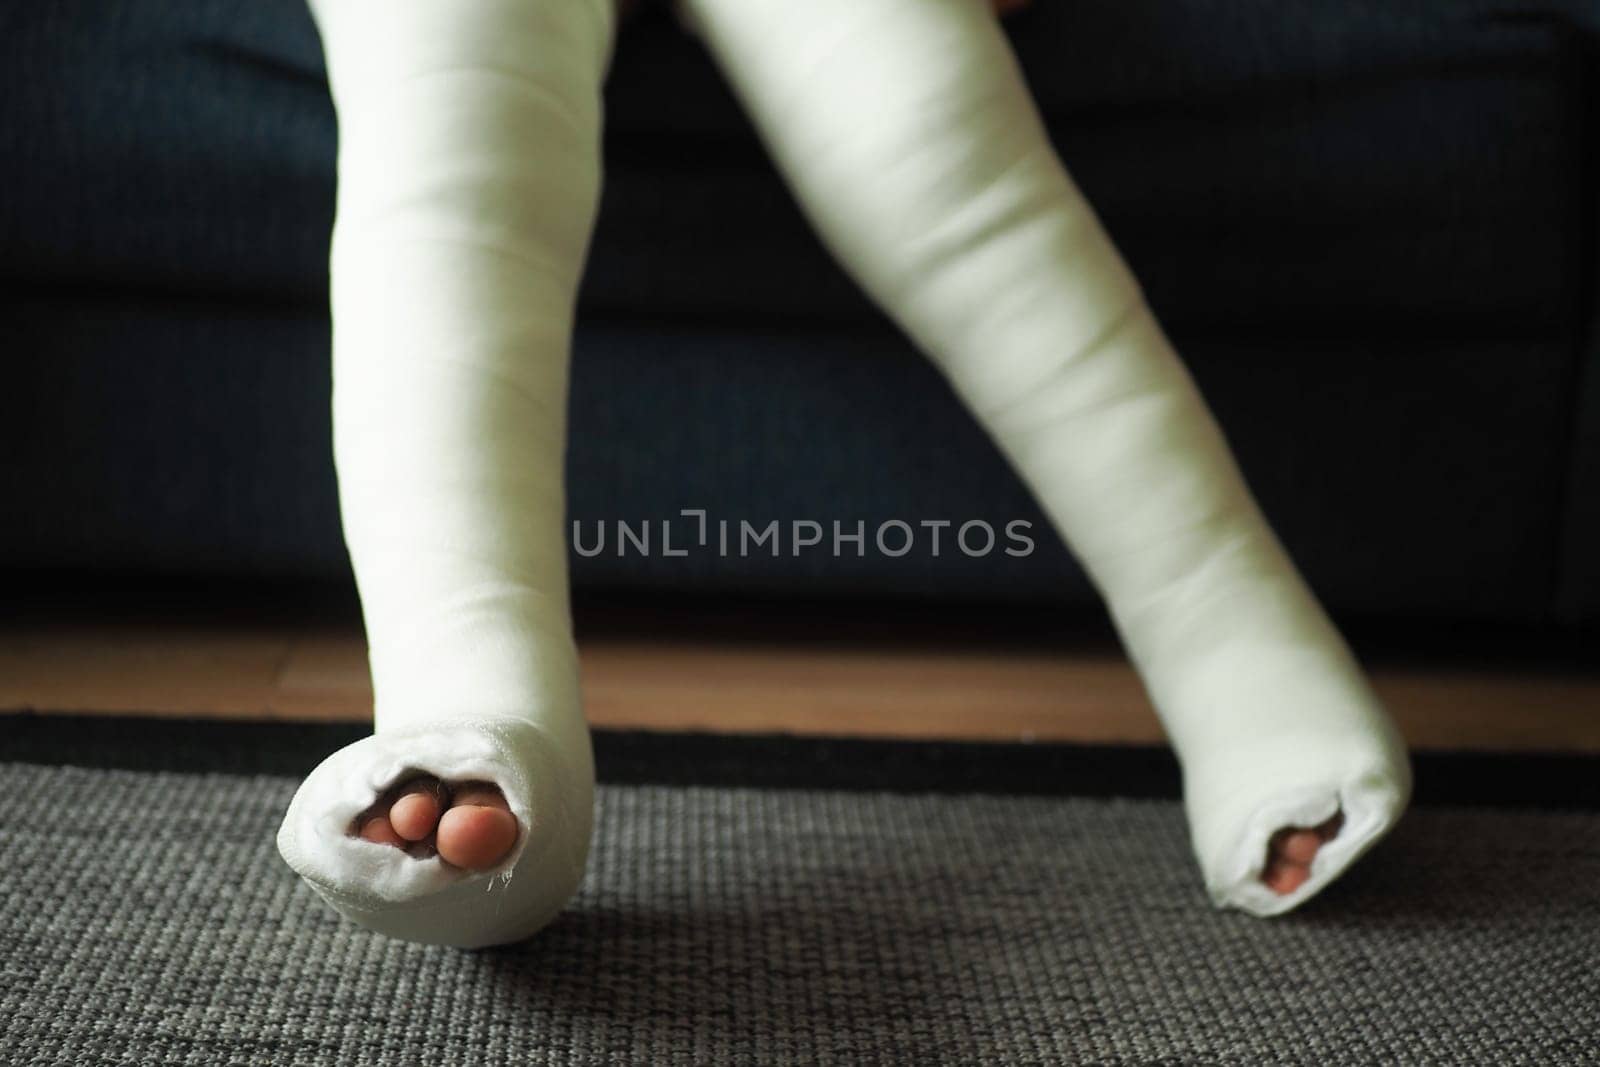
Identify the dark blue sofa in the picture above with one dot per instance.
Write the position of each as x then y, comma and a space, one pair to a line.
1371, 225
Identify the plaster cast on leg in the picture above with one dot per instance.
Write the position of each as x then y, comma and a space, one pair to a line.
469, 171
907, 133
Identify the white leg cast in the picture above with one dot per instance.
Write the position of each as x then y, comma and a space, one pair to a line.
469, 171
906, 131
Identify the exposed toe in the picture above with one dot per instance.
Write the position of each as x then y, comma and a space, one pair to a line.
478, 829
470, 827
378, 830
1285, 878
1291, 852
1300, 846
415, 813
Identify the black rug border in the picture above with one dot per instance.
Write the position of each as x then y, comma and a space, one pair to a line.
769, 761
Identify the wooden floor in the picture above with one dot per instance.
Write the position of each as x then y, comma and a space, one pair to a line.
1087, 694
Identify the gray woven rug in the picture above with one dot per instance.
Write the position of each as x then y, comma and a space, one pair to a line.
145, 918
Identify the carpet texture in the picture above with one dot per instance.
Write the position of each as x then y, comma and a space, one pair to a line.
145, 918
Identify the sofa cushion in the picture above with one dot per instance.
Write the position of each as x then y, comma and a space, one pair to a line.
1372, 166
180, 438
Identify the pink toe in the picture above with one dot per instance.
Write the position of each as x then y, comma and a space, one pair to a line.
1300, 846
415, 815
475, 837
1285, 878
379, 832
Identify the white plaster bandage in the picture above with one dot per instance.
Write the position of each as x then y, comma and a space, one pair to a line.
906, 131
469, 172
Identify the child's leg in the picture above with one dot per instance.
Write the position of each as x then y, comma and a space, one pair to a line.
469, 171
906, 130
